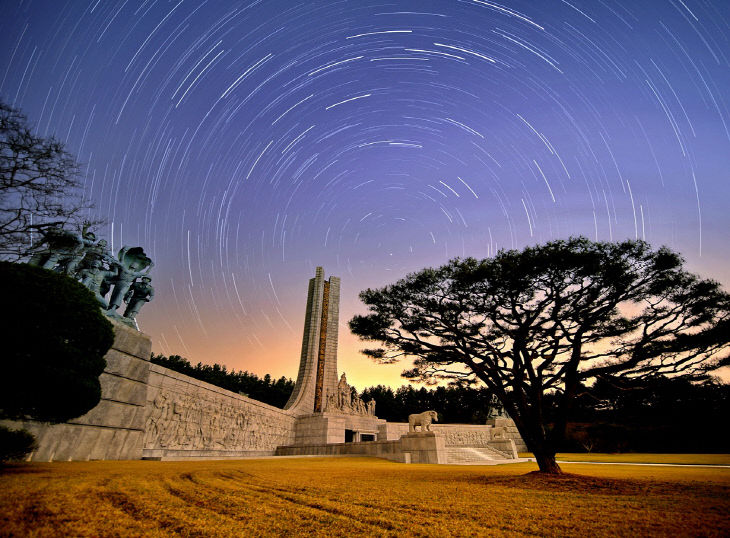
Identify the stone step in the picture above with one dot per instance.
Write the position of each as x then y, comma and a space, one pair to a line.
463, 454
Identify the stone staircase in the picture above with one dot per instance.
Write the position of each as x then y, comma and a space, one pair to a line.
465, 455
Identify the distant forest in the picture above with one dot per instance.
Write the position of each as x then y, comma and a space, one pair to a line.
659, 414
455, 405
267, 389
614, 415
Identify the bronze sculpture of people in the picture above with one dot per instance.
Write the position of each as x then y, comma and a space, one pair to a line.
63, 246
96, 279
496, 409
97, 251
85, 241
80, 256
139, 293
133, 263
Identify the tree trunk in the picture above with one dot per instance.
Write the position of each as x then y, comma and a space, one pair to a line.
546, 462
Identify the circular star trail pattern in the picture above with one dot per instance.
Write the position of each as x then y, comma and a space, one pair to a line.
244, 143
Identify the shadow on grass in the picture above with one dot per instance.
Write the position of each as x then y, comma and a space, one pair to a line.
10, 468
573, 483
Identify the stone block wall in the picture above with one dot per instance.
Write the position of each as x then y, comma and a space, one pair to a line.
467, 435
187, 418
114, 429
455, 434
319, 428
471, 435
391, 431
411, 448
149, 411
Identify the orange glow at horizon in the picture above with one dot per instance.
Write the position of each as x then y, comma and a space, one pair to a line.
272, 350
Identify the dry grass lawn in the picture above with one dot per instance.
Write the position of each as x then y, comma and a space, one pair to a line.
358, 497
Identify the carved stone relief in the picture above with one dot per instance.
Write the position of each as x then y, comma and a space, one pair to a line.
188, 417
471, 438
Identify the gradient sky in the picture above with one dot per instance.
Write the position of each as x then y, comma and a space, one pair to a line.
242, 144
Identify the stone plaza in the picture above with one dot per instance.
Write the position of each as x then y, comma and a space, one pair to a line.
151, 412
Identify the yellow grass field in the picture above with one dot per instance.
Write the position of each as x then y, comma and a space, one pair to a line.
358, 497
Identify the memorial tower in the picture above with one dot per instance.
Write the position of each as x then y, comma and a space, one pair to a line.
317, 377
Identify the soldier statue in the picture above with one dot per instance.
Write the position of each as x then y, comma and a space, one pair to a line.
70, 264
97, 279
132, 264
63, 247
80, 256
139, 293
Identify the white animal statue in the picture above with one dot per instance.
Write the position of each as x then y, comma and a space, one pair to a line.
423, 420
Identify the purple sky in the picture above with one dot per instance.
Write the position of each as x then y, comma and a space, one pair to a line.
244, 143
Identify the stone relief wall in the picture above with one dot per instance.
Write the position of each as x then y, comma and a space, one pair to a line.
184, 414
471, 438
463, 435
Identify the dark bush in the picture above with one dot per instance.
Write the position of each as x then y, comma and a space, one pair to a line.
15, 444
54, 339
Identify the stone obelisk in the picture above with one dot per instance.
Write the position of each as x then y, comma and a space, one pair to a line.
317, 377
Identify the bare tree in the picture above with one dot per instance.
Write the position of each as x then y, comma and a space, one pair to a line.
39, 185
550, 319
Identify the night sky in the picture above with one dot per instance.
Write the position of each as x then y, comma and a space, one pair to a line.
242, 144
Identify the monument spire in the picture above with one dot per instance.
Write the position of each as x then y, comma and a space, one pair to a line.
317, 377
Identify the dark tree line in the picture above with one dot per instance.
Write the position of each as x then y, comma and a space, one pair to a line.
455, 405
272, 391
657, 414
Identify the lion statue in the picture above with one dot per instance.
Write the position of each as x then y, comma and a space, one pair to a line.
423, 420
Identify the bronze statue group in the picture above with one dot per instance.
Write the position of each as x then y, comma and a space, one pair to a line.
80, 256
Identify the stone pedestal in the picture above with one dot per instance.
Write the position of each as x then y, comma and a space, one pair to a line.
328, 428
504, 428
424, 447
319, 428
114, 429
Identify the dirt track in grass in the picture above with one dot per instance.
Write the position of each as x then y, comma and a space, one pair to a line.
358, 497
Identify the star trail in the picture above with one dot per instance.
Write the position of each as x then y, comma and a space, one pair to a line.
244, 143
